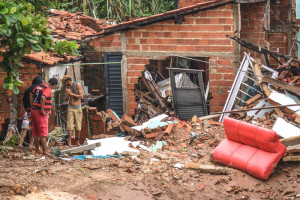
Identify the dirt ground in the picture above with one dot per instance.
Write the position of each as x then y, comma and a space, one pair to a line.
143, 177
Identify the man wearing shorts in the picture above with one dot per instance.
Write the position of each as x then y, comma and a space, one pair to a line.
74, 94
26, 123
40, 99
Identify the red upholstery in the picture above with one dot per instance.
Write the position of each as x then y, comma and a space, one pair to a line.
249, 148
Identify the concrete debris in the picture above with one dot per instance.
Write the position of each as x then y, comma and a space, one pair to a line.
82, 148
207, 168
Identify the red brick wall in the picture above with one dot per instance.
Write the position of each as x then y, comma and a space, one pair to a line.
277, 40
184, 3
252, 29
220, 81
108, 41
201, 32
95, 123
134, 70
26, 75
252, 23
280, 10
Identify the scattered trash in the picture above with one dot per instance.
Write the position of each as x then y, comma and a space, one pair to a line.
158, 145
179, 165
193, 136
110, 146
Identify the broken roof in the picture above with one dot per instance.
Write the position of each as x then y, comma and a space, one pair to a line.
67, 26
73, 26
76, 26
137, 23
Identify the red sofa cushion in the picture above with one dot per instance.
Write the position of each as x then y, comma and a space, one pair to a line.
245, 133
246, 158
249, 148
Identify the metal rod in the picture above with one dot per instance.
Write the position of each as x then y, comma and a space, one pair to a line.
245, 93
103, 63
262, 108
250, 78
240, 99
252, 88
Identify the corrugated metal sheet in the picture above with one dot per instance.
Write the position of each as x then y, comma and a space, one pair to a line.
114, 95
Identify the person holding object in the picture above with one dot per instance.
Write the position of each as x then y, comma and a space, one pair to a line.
40, 100
26, 123
74, 95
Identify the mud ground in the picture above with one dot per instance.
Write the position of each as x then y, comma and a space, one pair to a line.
142, 178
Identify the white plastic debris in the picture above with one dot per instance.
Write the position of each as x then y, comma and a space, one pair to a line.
145, 125
111, 145
285, 129
179, 165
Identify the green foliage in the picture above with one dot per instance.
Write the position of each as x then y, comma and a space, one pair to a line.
120, 10
12, 141
23, 30
3, 149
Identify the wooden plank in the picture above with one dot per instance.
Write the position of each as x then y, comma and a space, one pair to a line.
293, 149
82, 148
257, 71
211, 169
77, 74
255, 98
291, 159
282, 85
290, 141
291, 112
259, 76
267, 15
259, 49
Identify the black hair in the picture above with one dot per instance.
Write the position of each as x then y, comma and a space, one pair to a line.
53, 81
68, 79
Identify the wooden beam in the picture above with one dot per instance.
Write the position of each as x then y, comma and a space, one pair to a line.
255, 98
267, 15
282, 85
261, 50
259, 77
257, 71
293, 149
291, 141
262, 108
291, 159
82, 148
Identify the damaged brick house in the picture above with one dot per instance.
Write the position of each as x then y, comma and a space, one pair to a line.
196, 29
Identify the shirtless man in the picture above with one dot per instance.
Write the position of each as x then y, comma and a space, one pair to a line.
74, 94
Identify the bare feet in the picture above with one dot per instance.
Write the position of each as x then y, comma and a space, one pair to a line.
38, 152
30, 147
50, 155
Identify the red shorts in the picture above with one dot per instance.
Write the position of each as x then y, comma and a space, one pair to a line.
39, 124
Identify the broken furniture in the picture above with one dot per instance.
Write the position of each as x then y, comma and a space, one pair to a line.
188, 93
249, 148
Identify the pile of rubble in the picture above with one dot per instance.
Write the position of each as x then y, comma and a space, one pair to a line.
73, 25
273, 101
152, 97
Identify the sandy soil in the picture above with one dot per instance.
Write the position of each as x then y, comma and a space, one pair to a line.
125, 178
